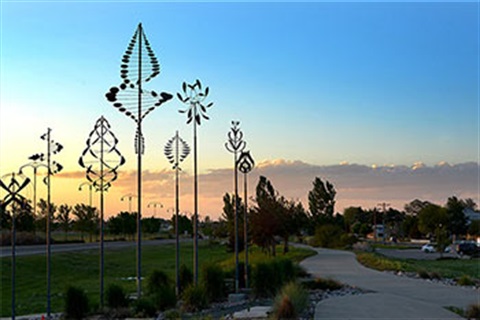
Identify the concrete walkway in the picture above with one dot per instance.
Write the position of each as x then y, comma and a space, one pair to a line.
393, 297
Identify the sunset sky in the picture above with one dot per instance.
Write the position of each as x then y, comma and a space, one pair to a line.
380, 98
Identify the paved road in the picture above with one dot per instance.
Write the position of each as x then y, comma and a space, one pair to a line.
392, 297
41, 249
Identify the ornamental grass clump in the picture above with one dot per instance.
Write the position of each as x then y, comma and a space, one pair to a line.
290, 301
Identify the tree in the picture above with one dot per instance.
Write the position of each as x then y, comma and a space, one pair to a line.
474, 228
5, 218
410, 227
87, 220
457, 221
264, 220
228, 215
185, 224
292, 218
41, 221
430, 218
124, 223
64, 219
321, 201
469, 203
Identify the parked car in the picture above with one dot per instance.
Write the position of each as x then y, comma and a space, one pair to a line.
428, 248
468, 248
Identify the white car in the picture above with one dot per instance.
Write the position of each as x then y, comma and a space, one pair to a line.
428, 248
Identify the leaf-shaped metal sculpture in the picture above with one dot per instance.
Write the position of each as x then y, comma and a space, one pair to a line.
194, 97
101, 158
235, 143
245, 162
176, 150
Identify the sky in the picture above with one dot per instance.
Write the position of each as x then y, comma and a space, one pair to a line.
379, 98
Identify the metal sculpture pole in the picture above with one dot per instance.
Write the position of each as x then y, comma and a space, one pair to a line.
181, 152
139, 65
90, 188
101, 159
245, 164
53, 168
154, 204
35, 166
194, 97
235, 144
13, 196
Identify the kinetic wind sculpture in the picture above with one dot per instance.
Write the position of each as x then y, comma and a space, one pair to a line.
17, 183
139, 65
176, 150
245, 164
52, 168
235, 144
193, 96
101, 159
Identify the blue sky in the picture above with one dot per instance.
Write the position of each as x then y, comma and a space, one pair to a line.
324, 83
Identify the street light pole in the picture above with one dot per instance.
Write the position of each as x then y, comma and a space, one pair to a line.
90, 187
35, 166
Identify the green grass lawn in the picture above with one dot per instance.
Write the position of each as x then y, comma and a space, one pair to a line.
82, 269
445, 268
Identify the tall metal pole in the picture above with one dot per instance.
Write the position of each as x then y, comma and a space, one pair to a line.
245, 229
234, 145
245, 164
177, 207
139, 169
195, 208
14, 239
102, 133
49, 165
181, 152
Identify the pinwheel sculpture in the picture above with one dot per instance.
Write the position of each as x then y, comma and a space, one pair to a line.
194, 97
176, 150
245, 164
139, 65
235, 145
13, 188
101, 159
53, 167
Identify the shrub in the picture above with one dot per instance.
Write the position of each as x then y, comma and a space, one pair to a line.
473, 311
156, 281
285, 310
213, 280
423, 274
297, 296
172, 315
164, 298
323, 284
270, 276
465, 281
328, 236
194, 298
263, 279
76, 303
116, 297
144, 307
185, 277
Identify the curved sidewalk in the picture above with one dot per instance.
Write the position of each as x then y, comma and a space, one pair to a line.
392, 297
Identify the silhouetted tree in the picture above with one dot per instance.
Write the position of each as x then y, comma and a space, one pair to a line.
87, 220
321, 202
185, 224
64, 219
431, 217
124, 223
228, 215
457, 221
264, 220
41, 219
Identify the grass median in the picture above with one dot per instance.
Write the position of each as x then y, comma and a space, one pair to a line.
81, 269
446, 268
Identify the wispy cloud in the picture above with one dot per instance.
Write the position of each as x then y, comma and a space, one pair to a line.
355, 184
